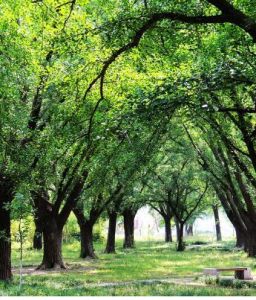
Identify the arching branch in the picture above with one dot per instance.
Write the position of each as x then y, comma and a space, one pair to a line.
229, 15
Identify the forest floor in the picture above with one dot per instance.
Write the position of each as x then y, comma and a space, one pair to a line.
151, 269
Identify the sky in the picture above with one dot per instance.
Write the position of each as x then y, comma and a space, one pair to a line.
149, 224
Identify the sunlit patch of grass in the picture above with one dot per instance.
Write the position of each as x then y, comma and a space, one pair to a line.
149, 260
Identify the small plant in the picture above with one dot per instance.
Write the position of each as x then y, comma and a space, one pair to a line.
198, 243
235, 283
211, 280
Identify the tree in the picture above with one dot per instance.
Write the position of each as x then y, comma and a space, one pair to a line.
86, 221
6, 195
217, 222
177, 184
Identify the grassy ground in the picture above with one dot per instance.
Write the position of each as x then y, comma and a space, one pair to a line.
150, 260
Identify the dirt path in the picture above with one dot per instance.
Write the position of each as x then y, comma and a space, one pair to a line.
180, 281
31, 270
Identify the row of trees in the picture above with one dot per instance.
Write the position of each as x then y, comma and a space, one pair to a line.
107, 107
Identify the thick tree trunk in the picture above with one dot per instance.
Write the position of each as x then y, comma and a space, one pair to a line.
5, 230
86, 232
87, 249
128, 228
217, 222
110, 247
181, 244
168, 230
51, 225
37, 240
52, 252
251, 244
240, 238
5, 243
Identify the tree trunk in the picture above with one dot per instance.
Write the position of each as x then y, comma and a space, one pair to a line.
168, 230
217, 222
251, 244
86, 232
87, 249
5, 230
240, 238
128, 228
181, 244
110, 247
177, 225
189, 229
37, 240
52, 237
232, 214
5, 243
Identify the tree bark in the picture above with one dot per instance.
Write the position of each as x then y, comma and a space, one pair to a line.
251, 244
52, 252
37, 240
232, 214
128, 228
240, 238
48, 224
168, 230
177, 225
87, 249
217, 222
5, 230
181, 244
110, 247
86, 232
5, 242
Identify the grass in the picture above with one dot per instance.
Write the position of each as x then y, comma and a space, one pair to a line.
149, 260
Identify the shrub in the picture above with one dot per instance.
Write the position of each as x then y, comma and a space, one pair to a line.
98, 231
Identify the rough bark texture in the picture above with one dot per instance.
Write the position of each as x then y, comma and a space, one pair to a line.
110, 247
217, 222
87, 249
86, 233
168, 231
47, 223
181, 244
52, 237
52, 217
128, 228
5, 230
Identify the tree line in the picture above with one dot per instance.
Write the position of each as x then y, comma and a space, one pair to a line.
106, 108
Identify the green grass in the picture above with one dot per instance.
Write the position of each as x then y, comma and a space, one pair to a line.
150, 260
164, 289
